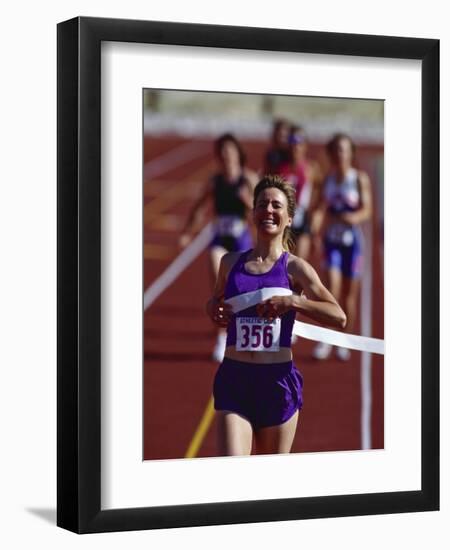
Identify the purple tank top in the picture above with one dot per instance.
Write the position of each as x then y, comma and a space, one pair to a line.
241, 281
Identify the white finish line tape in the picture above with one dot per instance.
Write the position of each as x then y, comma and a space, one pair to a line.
342, 339
305, 330
249, 299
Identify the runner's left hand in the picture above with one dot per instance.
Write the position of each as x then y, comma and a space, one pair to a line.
274, 307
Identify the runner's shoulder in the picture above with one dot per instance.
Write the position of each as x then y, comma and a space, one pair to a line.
298, 266
250, 176
229, 259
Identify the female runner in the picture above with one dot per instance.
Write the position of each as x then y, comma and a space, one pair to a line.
304, 175
345, 203
257, 388
231, 191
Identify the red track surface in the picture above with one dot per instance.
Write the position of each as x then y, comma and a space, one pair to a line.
179, 338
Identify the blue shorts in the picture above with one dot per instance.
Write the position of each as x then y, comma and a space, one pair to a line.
347, 258
265, 394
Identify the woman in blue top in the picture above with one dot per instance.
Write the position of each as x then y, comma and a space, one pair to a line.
345, 202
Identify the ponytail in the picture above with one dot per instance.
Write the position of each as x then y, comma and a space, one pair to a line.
289, 240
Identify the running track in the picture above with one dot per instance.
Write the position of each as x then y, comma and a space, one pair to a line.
178, 337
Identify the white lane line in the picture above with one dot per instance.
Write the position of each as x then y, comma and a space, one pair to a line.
180, 263
366, 329
173, 158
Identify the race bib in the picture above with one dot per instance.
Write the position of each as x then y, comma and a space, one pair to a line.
231, 226
257, 334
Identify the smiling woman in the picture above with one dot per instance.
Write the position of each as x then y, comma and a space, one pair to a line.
257, 388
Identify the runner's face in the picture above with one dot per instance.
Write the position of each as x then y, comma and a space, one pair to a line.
270, 214
281, 135
342, 155
229, 153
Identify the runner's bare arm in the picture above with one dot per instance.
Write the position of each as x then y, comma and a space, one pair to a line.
316, 179
312, 300
246, 191
218, 311
205, 194
315, 300
319, 209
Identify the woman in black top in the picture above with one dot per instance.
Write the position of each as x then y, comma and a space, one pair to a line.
230, 190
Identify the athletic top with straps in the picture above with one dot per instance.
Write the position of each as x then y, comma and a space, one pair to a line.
275, 282
226, 196
342, 196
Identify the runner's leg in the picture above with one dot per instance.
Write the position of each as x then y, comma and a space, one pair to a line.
235, 434
276, 439
215, 255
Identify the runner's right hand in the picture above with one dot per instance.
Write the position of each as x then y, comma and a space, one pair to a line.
219, 312
184, 240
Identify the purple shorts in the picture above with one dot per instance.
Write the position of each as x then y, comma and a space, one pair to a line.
265, 394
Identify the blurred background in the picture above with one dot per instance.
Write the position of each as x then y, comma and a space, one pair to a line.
343, 401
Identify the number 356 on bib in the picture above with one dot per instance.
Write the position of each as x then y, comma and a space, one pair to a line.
257, 334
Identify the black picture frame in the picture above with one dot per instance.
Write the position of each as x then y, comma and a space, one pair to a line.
79, 275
